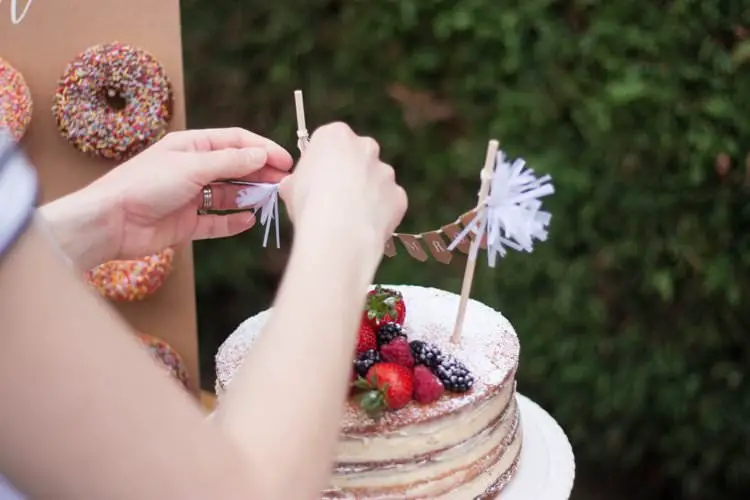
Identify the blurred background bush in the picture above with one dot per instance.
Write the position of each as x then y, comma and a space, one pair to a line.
633, 317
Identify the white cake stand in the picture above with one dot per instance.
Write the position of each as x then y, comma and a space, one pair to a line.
546, 469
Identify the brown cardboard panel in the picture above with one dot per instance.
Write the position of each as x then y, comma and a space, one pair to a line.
48, 36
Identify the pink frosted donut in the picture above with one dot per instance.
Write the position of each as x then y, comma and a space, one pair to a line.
15, 101
132, 280
166, 357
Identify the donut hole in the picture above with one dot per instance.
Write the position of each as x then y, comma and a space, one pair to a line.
115, 99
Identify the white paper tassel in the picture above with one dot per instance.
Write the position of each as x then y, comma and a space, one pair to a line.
512, 216
263, 198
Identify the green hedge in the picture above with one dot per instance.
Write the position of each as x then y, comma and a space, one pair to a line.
633, 317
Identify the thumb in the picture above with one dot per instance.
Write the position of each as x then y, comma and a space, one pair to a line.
229, 163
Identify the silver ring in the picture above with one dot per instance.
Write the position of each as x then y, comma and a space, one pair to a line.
208, 200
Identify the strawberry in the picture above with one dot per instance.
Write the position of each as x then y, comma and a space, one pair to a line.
387, 386
427, 387
367, 338
397, 351
384, 305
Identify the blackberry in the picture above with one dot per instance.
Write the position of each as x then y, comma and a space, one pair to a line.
425, 354
388, 332
364, 362
454, 375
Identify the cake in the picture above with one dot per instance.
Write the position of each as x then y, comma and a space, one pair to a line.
464, 445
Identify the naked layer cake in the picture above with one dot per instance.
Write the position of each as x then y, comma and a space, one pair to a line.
426, 418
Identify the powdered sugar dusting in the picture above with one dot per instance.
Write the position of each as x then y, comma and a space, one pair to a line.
489, 347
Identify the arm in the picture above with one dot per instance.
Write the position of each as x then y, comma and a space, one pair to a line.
311, 333
86, 413
83, 227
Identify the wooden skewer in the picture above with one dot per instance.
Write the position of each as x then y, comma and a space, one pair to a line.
302, 134
471, 262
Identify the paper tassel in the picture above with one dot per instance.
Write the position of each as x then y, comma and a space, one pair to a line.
263, 198
512, 216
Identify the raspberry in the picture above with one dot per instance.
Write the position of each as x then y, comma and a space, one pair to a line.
397, 351
427, 387
366, 339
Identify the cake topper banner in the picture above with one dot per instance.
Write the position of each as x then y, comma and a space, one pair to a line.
508, 214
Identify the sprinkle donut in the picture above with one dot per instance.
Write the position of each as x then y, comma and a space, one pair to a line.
132, 280
15, 101
166, 357
113, 101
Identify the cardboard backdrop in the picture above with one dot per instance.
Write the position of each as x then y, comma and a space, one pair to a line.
39, 38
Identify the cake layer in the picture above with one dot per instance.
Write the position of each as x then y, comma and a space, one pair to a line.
430, 437
469, 466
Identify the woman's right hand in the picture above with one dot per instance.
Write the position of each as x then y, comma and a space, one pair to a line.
341, 188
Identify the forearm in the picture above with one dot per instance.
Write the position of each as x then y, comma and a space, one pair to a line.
86, 413
83, 227
286, 402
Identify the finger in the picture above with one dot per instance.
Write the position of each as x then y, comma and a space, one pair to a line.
223, 197
266, 174
229, 163
371, 146
400, 204
214, 139
388, 173
335, 129
221, 226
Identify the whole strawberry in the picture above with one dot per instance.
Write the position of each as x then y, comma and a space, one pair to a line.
427, 387
367, 339
384, 305
397, 351
387, 386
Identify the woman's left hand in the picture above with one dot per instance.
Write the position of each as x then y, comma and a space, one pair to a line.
152, 201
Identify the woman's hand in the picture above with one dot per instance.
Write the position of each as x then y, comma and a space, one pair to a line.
341, 188
345, 203
151, 201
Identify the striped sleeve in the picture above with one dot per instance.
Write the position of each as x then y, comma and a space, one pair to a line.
18, 192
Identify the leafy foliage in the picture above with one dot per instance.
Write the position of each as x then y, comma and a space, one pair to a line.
632, 317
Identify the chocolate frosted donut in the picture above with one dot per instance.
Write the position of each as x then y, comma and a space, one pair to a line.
15, 101
113, 101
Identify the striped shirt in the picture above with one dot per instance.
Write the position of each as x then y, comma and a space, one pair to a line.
18, 191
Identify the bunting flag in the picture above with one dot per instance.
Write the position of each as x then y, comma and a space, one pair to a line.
509, 217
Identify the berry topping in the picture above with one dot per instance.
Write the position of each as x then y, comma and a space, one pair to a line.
425, 353
366, 339
387, 386
384, 305
453, 374
427, 387
397, 351
388, 332
365, 361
